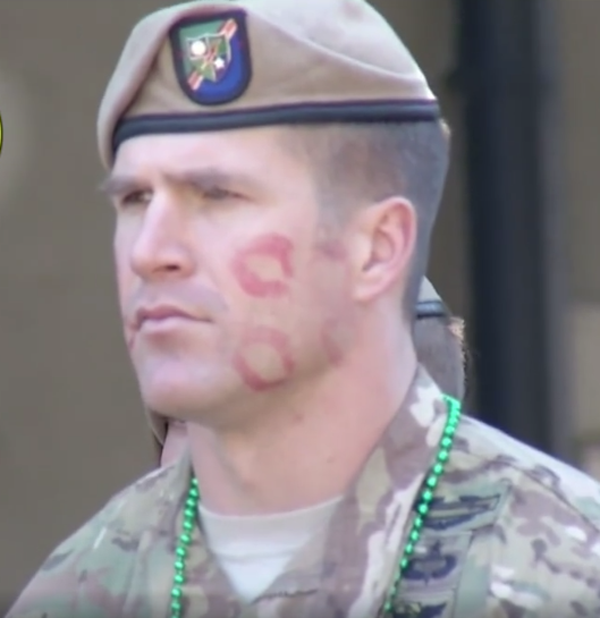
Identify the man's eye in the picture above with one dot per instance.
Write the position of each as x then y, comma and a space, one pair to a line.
217, 193
135, 198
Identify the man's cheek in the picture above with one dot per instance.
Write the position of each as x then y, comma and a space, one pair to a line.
125, 283
332, 292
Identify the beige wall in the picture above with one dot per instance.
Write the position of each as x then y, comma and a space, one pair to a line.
72, 430
580, 50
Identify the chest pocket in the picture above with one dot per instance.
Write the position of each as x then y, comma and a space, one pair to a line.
455, 521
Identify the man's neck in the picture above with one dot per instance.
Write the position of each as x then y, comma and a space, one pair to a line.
311, 449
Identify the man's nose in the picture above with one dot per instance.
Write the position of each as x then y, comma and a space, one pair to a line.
163, 247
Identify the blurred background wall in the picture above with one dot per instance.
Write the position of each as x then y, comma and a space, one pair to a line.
71, 425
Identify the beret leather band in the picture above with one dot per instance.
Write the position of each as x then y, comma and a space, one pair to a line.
303, 113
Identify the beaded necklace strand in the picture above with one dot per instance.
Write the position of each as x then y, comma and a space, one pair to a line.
421, 509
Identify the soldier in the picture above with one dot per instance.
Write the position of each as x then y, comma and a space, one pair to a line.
439, 345
276, 168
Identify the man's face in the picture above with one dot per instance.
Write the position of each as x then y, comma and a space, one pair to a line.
228, 283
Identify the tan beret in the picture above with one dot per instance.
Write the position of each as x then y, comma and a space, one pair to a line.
210, 65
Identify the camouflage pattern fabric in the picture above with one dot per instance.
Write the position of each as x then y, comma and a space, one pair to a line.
512, 534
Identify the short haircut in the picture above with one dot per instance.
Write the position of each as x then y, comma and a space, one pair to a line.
357, 164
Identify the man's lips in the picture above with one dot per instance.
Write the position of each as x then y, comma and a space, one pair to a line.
159, 313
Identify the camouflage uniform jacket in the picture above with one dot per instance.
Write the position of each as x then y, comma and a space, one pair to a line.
512, 534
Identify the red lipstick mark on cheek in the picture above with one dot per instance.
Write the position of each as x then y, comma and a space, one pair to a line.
274, 248
263, 376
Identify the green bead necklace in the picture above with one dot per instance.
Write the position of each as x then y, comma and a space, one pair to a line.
421, 509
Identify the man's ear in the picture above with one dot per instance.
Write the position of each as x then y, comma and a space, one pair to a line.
382, 246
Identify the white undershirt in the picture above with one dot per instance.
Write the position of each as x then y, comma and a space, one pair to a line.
253, 551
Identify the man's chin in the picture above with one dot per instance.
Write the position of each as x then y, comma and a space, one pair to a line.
179, 399
166, 401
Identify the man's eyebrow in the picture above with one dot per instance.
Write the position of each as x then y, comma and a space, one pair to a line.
209, 178
202, 179
116, 184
